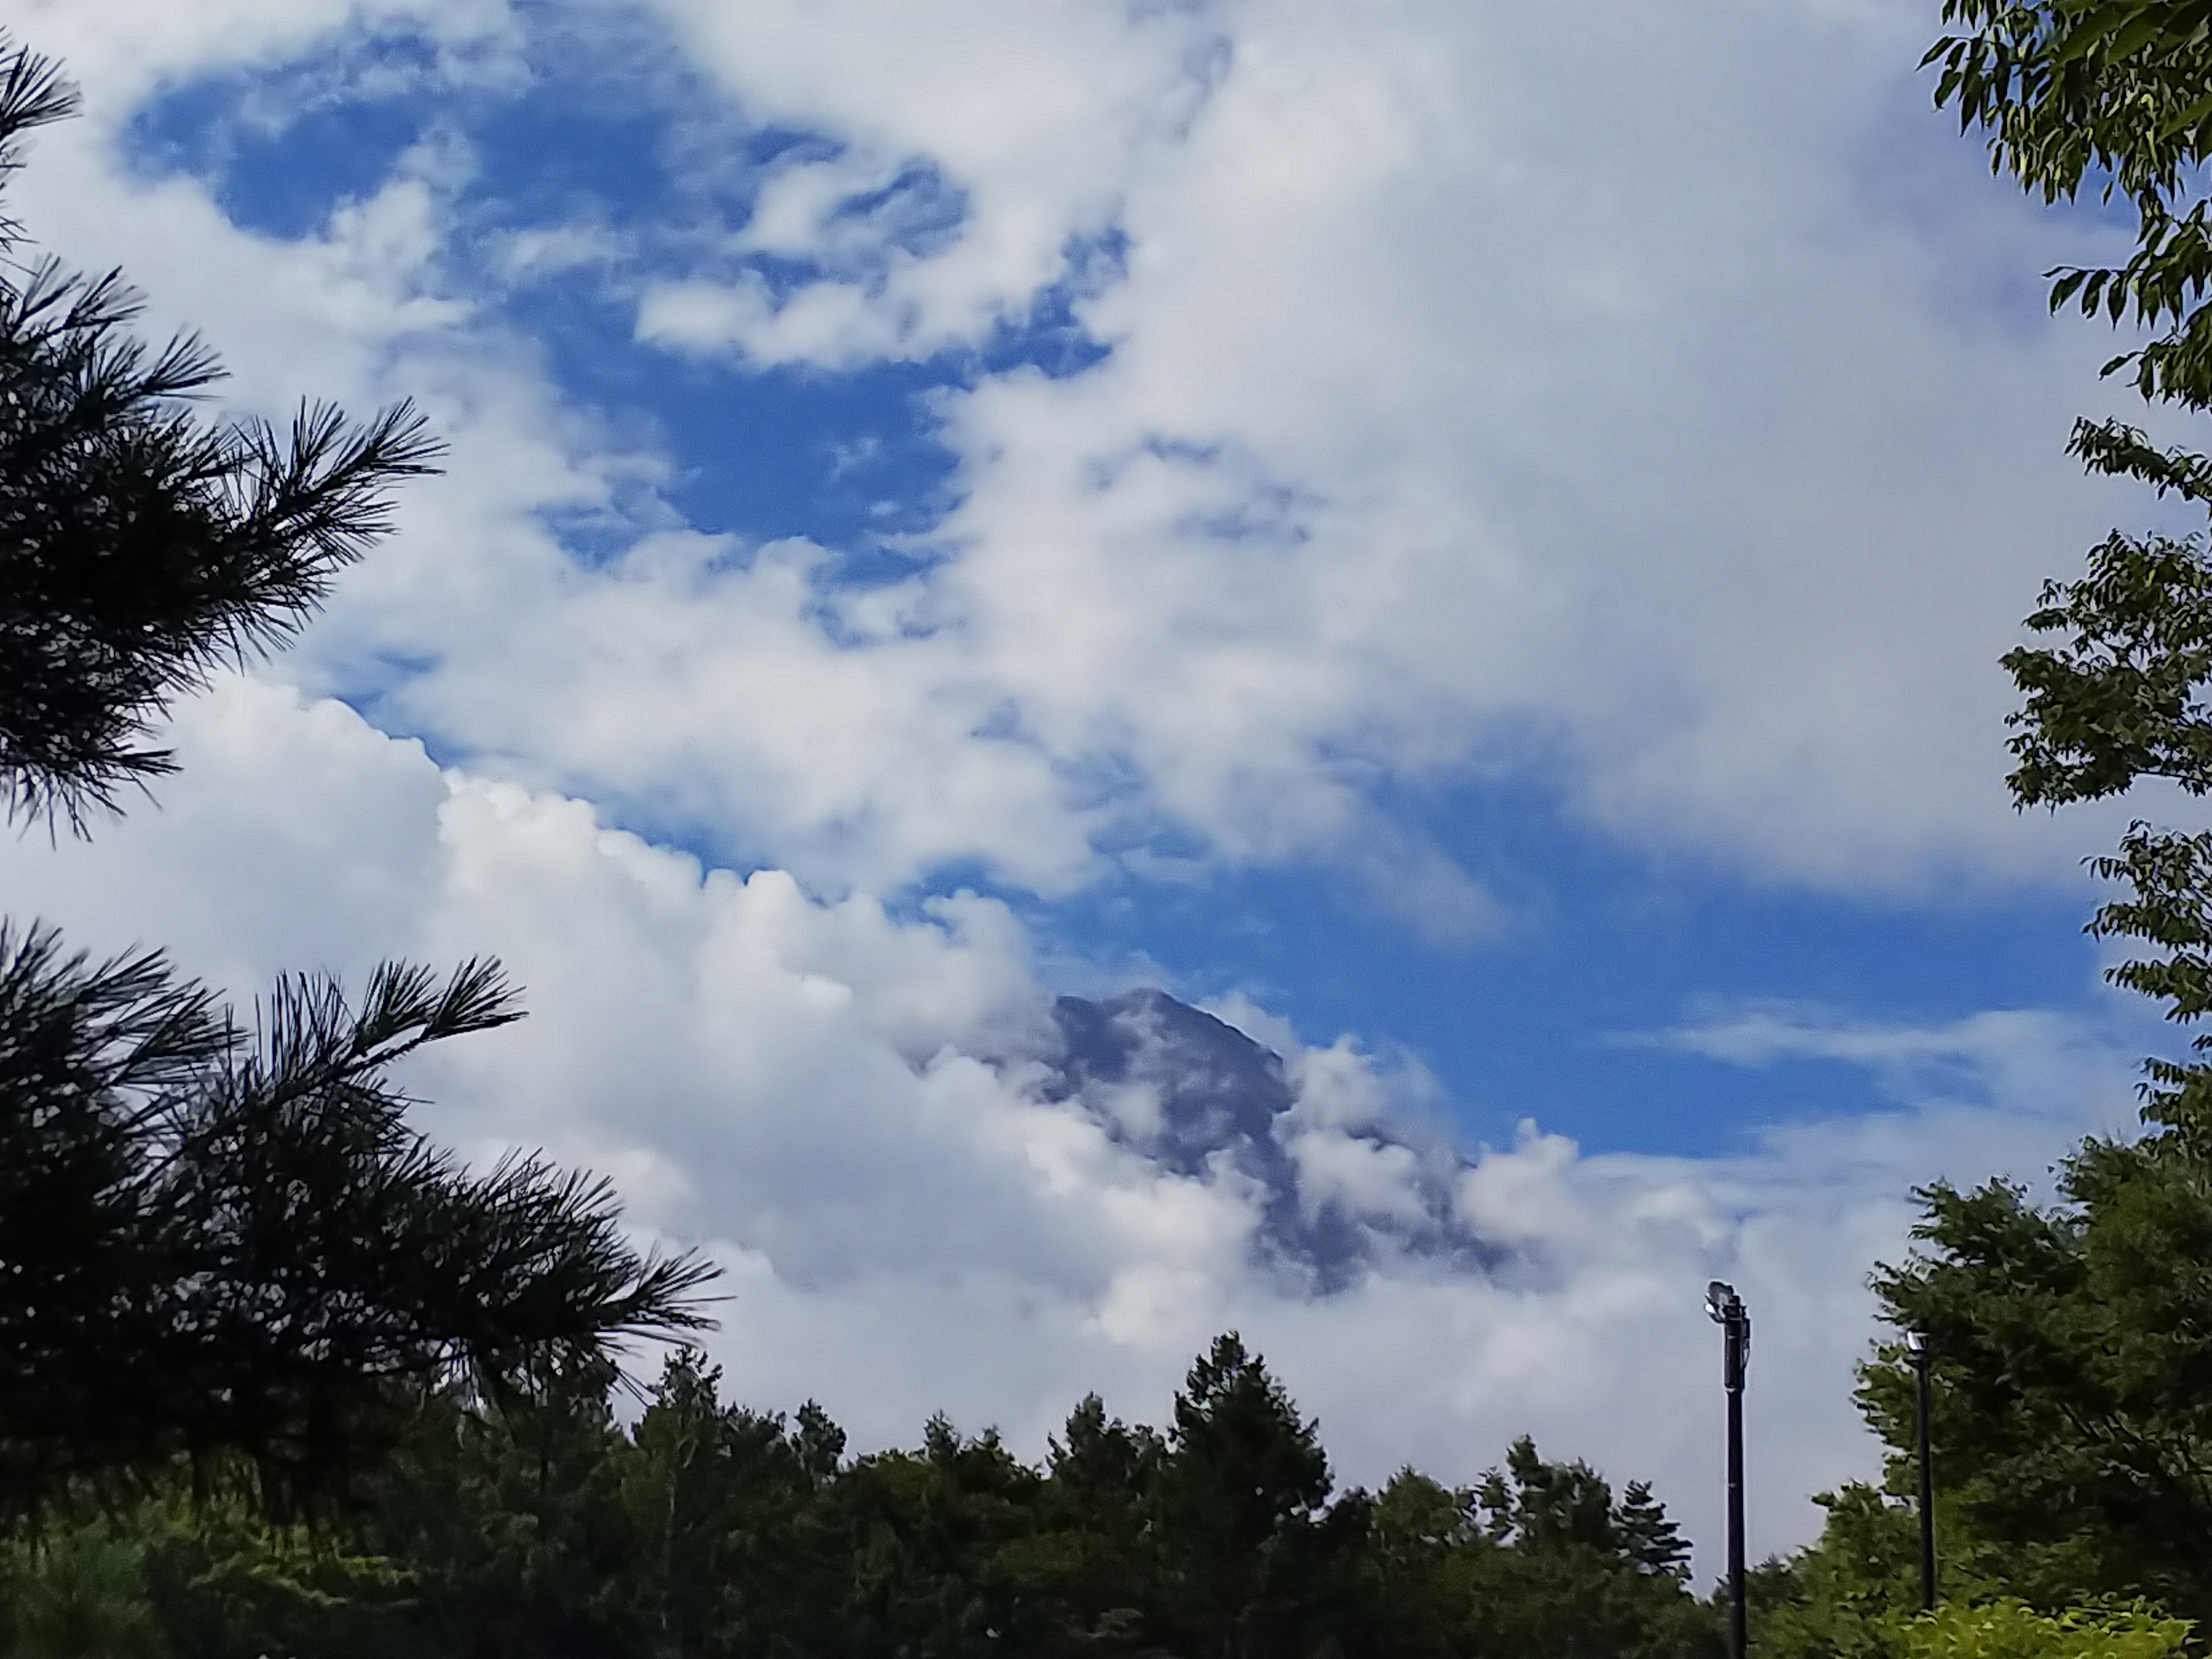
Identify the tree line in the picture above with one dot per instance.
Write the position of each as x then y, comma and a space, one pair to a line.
278, 1377
544, 1528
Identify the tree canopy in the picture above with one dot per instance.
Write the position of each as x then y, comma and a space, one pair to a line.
212, 1241
707, 1529
2117, 95
2073, 1342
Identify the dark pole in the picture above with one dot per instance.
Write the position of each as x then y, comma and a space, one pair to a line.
1729, 1312
1918, 1346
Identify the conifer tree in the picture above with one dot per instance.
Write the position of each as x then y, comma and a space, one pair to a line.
216, 1242
140, 545
1259, 1561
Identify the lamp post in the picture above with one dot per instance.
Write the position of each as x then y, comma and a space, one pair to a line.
1729, 1312
1917, 1344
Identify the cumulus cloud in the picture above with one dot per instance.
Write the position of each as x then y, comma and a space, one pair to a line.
1465, 388
1602, 397
1034, 116
1476, 409
855, 1110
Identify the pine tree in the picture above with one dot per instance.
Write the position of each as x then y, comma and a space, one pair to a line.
1258, 1560
217, 1244
140, 546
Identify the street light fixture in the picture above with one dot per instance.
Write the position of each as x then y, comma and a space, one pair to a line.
1728, 1311
1916, 1343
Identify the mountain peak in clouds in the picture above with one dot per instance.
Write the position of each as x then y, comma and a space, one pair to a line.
1199, 1097
1218, 1090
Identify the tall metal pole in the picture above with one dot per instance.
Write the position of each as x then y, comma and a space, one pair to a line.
1727, 1311
1918, 1346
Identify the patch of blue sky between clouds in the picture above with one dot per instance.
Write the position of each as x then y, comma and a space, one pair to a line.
608, 166
280, 150
1601, 951
568, 189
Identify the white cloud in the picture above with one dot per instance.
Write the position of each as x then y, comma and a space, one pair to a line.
1478, 410
1613, 396
533, 255
909, 1225
1598, 395
1034, 112
119, 51
2039, 1063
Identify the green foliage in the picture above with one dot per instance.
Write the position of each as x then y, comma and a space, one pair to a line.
2115, 93
526, 1529
139, 546
2070, 1352
2072, 1346
706, 1530
2073, 92
220, 1579
1572, 1571
1538, 1507
2072, 1373
1537, 1558
1847, 1595
730, 1529
2124, 698
175, 1578
1839, 1598
2008, 1629
2112, 92
217, 1242
1092, 1549
1257, 1561
1854, 1595
77, 1592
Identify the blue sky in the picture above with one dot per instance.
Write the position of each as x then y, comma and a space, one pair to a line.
1606, 944
1476, 546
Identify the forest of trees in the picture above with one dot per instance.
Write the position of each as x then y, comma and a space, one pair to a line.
276, 1377
544, 1528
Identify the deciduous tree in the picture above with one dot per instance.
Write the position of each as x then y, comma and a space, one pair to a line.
2115, 96
2072, 1344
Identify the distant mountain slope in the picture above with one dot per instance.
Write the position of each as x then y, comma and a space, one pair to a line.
1199, 1098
